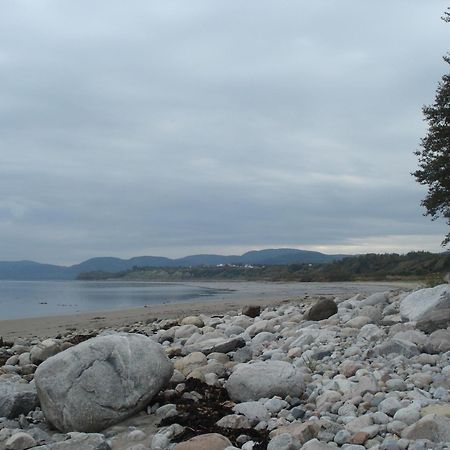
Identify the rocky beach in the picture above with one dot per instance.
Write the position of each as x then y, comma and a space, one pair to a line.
366, 371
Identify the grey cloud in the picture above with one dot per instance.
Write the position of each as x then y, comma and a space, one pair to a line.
171, 125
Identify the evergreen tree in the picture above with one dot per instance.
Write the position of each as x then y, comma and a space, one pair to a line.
434, 157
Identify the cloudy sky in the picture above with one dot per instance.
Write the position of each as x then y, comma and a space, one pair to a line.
175, 127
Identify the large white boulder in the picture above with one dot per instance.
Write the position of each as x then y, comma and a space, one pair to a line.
101, 381
264, 380
432, 304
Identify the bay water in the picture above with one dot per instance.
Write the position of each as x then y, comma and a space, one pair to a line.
22, 299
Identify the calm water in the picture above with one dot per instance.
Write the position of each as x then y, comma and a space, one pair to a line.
20, 299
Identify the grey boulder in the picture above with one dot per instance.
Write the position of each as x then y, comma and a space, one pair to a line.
438, 342
432, 427
251, 310
321, 309
44, 350
426, 305
396, 346
212, 345
264, 380
17, 398
101, 381
378, 298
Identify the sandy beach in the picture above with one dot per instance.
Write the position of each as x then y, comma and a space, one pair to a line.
243, 293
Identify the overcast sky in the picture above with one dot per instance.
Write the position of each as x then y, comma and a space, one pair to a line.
176, 127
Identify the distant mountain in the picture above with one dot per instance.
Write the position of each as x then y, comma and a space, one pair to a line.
29, 270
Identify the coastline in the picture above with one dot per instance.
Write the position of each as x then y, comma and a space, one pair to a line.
273, 294
51, 326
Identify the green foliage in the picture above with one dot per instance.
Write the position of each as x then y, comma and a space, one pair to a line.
370, 267
434, 158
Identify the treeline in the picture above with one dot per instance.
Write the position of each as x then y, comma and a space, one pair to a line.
370, 267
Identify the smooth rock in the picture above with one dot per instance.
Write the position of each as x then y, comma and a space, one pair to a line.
432, 427
263, 337
389, 406
359, 423
322, 308
370, 332
190, 362
234, 421
44, 350
427, 304
358, 322
315, 444
101, 381
193, 320
378, 298
211, 441
284, 442
438, 342
302, 432
17, 398
254, 411
396, 346
439, 409
251, 310
220, 345
79, 441
20, 441
264, 379
407, 415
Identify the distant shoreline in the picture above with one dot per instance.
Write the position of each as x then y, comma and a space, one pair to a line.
269, 294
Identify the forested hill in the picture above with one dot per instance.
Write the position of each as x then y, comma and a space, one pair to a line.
425, 266
30, 270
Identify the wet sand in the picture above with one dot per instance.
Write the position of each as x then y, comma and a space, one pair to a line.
243, 293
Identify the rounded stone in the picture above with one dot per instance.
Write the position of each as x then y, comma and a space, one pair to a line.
101, 381
20, 441
264, 380
211, 441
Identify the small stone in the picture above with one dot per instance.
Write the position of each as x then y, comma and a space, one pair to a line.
407, 415
190, 362
212, 441
380, 418
284, 442
45, 349
234, 421
251, 310
396, 384
254, 411
440, 409
359, 438
432, 427
315, 444
20, 441
321, 309
396, 427
389, 406
389, 444
342, 437
355, 425
193, 320
264, 379
275, 404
